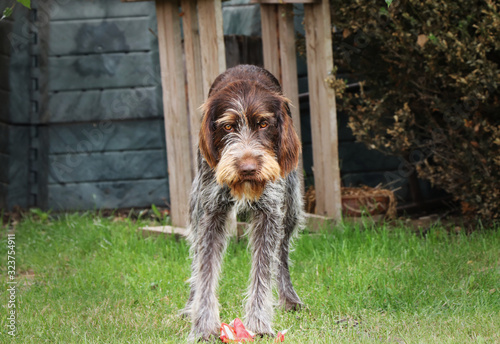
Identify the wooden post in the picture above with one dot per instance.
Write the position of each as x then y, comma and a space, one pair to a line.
175, 109
288, 62
192, 50
323, 110
270, 38
202, 22
213, 57
280, 57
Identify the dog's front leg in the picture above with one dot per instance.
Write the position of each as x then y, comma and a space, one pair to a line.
293, 220
210, 243
265, 237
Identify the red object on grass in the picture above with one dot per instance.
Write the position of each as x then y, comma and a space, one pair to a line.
235, 332
241, 331
227, 334
281, 336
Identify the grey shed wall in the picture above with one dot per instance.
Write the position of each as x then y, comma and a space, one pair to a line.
84, 127
14, 99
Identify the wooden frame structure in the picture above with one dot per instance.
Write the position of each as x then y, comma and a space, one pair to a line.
205, 60
186, 77
278, 39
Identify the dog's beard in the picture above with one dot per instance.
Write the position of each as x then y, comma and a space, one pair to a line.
247, 187
248, 190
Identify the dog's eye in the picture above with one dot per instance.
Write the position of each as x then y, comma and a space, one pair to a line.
228, 127
263, 124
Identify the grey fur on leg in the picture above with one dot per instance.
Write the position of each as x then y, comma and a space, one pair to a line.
208, 243
293, 221
195, 212
266, 231
186, 311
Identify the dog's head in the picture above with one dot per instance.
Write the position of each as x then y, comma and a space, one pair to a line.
247, 135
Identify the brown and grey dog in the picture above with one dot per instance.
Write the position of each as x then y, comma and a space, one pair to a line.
247, 161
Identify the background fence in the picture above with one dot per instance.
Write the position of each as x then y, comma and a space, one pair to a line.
81, 121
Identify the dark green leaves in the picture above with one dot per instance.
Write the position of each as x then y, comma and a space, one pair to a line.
27, 3
7, 12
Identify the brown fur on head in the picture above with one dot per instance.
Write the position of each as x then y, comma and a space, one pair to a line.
247, 136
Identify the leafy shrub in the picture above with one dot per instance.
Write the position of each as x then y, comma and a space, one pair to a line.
430, 89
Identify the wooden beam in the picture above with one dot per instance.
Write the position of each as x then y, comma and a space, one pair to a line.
323, 110
213, 57
239, 230
175, 109
280, 58
194, 72
288, 63
314, 223
163, 230
288, 60
270, 39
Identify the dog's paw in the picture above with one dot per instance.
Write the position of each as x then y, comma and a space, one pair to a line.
185, 313
204, 329
264, 335
290, 301
259, 327
291, 306
196, 336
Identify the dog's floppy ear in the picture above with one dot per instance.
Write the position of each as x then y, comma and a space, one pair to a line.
206, 142
289, 147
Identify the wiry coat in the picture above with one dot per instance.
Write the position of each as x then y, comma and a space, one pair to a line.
247, 161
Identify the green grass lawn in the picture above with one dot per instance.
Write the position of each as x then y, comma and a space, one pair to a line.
87, 279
